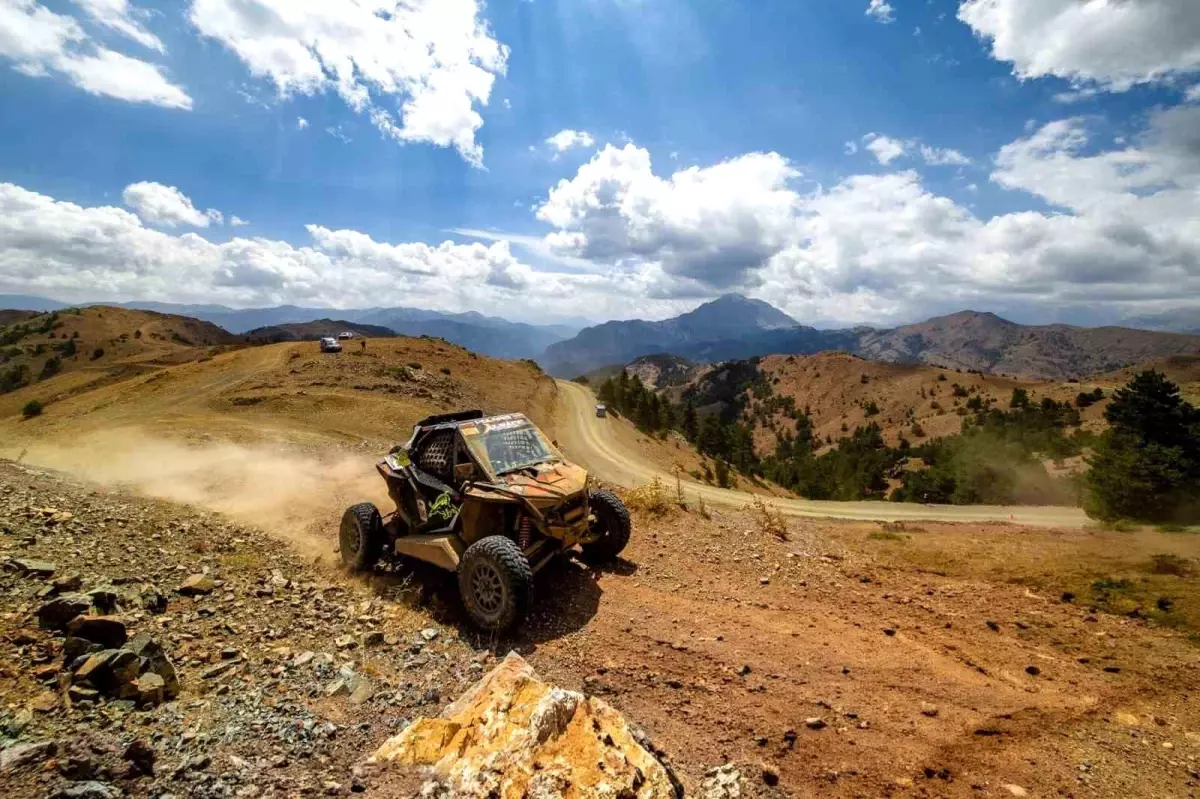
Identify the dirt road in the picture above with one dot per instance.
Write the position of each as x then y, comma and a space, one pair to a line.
596, 443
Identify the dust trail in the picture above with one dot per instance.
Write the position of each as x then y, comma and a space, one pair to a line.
294, 495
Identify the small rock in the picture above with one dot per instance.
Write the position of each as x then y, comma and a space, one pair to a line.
770, 774
88, 790
363, 690
744, 670
815, 723
108, 631
150, 689
373, 638
212, 672
66, 583
764, 580
58, 612
345, 642
429, 633
229, 653
156, 661
889, 631
104, 600
44, 702
31, 568
1032, 671
929, 710
338, 687
1015, 790
197, 585
303, 659
993, 626
141, 756
23, 755
78, 693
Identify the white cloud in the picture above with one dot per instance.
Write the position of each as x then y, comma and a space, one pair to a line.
566, 139
935, 156
884, 148
42, 43
712, 226
887, 149
237, 221
301, 123
882, 11
882, 248
167, 206
1114, 44
50, 247
432, 61
1192, 95
123, 18
851, 148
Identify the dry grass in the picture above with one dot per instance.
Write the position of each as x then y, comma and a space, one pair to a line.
651, 498
770, 520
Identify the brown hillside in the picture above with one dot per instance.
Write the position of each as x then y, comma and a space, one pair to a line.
831, 385
984, 341
289, 393
77, 349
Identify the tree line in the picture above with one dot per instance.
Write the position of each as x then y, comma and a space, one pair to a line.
1146, 465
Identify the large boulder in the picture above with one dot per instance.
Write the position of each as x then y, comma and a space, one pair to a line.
512, 735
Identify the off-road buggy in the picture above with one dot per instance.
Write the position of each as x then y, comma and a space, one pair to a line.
490, 498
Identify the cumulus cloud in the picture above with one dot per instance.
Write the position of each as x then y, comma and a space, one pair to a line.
881, 11
711, 225
1113, 44
884, 248
56, 248
167, 206
416, 68
567, 139
123, 18
42, 43
301, 123
237, 221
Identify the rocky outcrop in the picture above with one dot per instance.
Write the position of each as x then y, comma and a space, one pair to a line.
512, 735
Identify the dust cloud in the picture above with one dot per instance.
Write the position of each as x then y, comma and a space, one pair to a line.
295, 495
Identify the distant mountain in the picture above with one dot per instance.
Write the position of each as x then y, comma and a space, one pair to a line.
311, 331
986, 342
1179, 320
25, 302
729, 317
967, 341
487, 335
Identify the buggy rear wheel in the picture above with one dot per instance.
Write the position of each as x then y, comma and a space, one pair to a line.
360, 538
612, 524
495, 582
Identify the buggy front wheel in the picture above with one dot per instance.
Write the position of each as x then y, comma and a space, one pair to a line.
495, 582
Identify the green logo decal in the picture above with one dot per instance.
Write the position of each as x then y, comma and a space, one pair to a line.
442, 508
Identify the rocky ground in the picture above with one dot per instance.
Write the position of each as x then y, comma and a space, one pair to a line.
286, 677
152, 649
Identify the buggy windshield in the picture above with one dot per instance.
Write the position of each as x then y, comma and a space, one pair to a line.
506, 445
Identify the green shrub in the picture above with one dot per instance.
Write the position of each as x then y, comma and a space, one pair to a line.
32, 408
1147, 464
97, 353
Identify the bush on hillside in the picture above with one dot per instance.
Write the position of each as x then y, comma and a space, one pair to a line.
32, 408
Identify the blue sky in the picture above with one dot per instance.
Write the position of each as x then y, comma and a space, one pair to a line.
848, 161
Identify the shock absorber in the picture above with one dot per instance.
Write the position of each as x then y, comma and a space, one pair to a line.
524, 532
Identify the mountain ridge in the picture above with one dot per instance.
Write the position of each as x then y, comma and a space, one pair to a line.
967, 340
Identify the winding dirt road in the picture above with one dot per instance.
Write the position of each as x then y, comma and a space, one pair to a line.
594, 443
